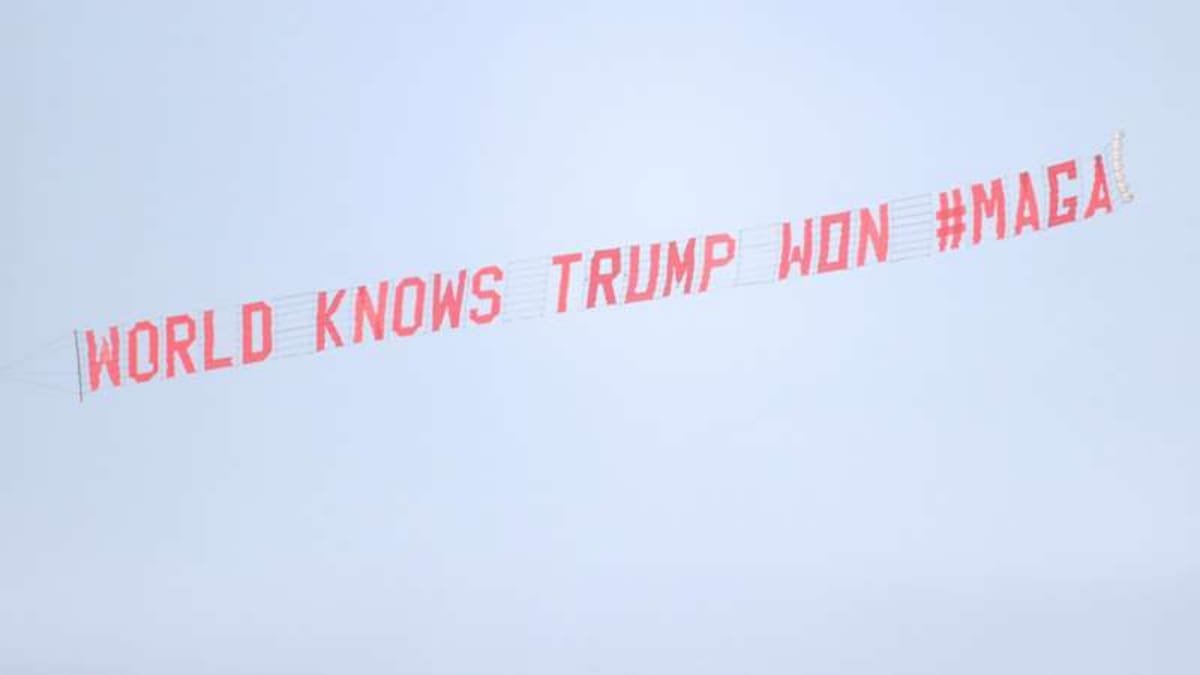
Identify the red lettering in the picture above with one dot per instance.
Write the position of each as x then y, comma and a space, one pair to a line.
604, 279
265, 314
842, 220
151, 332
418, 284
711, 260
1100, 197
680, 266
1027, 206
877, 235
990, 205
635, 254
211, 361
108, 359
1069, 204
368, 312
179, 347
790, 255
325, 326
564, 262
448, 303
490, 295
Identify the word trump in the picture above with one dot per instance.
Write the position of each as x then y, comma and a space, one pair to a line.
679, 270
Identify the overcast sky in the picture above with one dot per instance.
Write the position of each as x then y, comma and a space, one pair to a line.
981, 463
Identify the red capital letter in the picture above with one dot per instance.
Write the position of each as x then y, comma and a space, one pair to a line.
1100, 197
480, 293
564, 262
367, 312
151, 332
842, 220
418, 284
711, 260
263, 310
680, 266
448, 302
632, 294
599, 279
877, 235
789, 255
109, 358
989, 205
212, 362
1027, 206
325, 312
1056, 217
177, 347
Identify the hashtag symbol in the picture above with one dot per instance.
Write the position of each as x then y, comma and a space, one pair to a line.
950, 219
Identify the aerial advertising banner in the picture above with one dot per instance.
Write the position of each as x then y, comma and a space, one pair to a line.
1070, 192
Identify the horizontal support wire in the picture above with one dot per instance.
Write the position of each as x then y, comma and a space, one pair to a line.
42, 385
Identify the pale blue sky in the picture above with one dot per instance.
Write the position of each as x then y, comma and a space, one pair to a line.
980, 463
